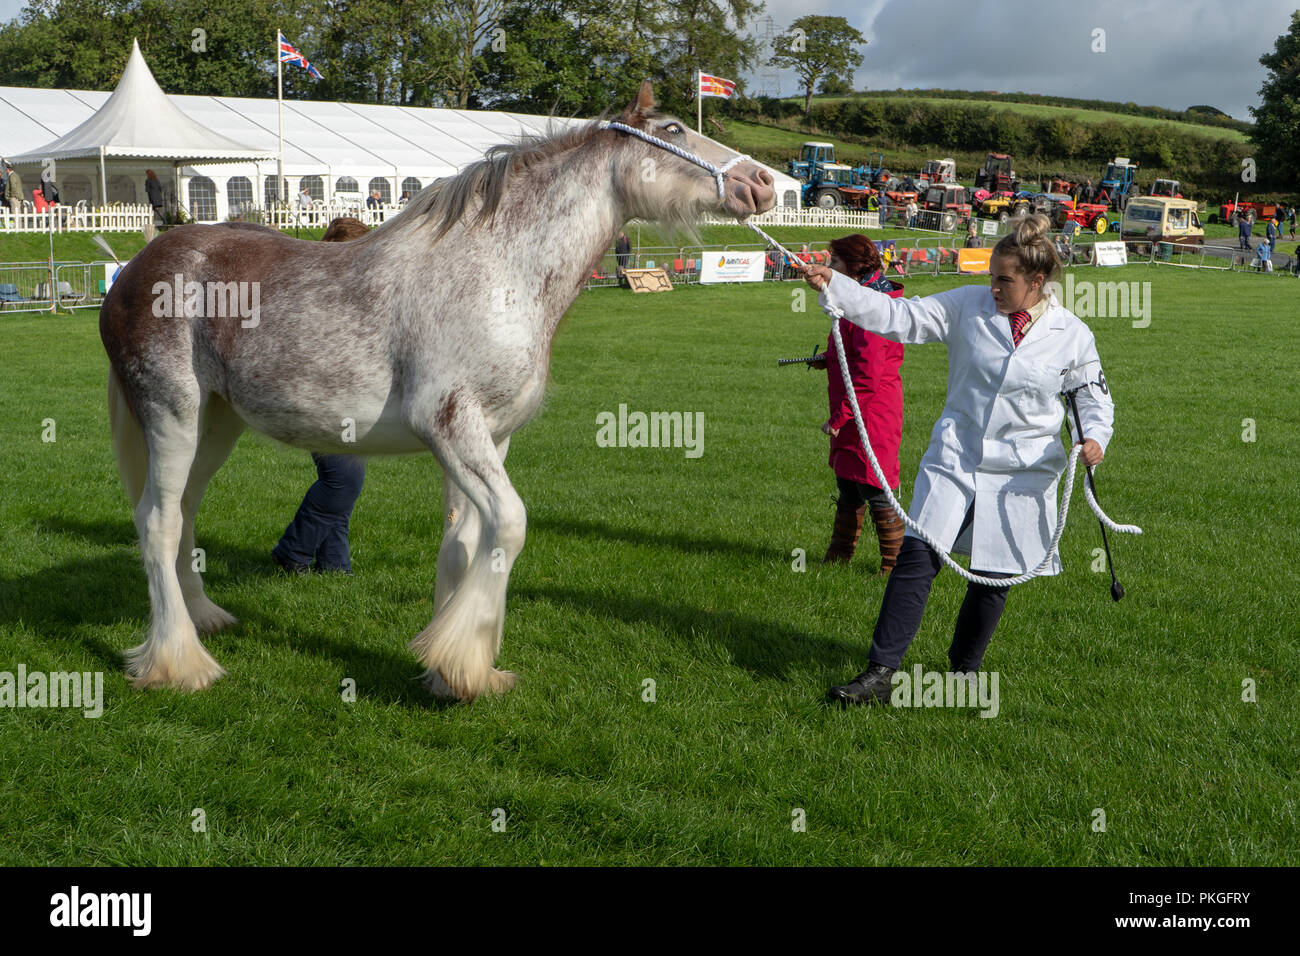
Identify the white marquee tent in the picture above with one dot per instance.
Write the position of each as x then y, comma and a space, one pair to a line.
223, 149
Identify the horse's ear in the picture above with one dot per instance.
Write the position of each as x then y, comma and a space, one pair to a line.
643, 105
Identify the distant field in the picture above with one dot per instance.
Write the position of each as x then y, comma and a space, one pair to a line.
1077, 114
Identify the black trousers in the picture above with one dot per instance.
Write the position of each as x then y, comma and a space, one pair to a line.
904, 602
855, 494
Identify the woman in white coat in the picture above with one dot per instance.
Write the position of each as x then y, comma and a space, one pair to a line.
987, 483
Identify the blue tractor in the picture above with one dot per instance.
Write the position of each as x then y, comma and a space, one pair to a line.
827, 183
1118, 183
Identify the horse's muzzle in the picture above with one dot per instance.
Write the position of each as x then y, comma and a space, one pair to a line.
750, 190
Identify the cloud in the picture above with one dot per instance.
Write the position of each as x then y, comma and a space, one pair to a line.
1172, 53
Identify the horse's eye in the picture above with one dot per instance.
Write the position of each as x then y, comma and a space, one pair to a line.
674, 128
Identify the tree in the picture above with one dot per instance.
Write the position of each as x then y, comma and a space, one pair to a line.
1277, 118
817, 46
833, 85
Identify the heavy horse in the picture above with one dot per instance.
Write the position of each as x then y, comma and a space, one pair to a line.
432, 333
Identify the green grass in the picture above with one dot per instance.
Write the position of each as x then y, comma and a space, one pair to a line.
642, 564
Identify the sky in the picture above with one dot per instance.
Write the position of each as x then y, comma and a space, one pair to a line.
1172, 53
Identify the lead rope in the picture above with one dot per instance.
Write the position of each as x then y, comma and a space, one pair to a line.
836, 314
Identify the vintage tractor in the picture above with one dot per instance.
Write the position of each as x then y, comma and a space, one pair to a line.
1088, 215
1003, 208
827, 183
1118, 183
1166, 187
996, 175
945, 206
938, 171
1230, 211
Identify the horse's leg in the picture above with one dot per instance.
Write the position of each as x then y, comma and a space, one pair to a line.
219, 429
460, 645
172, 654
460, 539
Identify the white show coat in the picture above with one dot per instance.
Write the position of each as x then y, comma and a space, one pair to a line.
998, 439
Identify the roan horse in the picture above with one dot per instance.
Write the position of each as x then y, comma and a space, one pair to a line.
433, 332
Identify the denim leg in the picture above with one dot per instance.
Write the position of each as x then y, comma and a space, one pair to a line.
319, 531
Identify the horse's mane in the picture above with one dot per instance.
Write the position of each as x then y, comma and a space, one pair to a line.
446, 201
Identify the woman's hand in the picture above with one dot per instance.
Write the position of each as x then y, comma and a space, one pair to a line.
826, 428
817, 276
1092, 453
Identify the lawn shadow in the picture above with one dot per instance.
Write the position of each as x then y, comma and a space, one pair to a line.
71, 605
570, 526
757, 644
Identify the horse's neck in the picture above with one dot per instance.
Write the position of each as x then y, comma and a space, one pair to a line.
577, 215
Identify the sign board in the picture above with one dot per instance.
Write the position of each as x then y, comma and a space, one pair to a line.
990, 227
111, 271
732, 266
648, 280
973, 262
1109, 254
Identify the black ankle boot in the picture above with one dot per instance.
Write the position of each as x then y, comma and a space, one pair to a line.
873, 685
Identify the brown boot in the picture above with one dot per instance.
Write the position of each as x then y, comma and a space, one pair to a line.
889, 529
844, 536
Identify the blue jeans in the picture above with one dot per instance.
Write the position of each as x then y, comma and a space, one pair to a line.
318, 534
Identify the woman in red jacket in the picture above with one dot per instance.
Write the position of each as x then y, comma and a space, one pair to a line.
874, 364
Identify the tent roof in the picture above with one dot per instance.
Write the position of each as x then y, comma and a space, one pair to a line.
139, 121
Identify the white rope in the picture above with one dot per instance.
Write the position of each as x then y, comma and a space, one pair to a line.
1070, 467
719, 172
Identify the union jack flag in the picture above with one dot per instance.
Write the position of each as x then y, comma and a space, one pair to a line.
716, 86
289, 55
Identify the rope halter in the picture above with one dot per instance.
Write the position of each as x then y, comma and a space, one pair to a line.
719, 172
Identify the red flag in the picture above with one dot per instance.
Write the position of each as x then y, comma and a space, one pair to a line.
716, 86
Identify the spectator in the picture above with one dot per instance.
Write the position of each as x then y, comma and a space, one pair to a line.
884, 208
1290, 215
317, 538
1271, 231
374, 201
304, 198
1087, 191
874, 364
912, 210
153, 189
406, 195
1265, 253
13, 189
50, 191
622, 255
1243, 233
973, 241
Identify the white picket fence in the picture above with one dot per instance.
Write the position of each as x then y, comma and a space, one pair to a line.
82, 217
815, 216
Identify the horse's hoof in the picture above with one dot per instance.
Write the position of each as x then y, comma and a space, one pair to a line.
190, 671
438, 687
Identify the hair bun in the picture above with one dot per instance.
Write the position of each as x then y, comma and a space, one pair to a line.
1031, 228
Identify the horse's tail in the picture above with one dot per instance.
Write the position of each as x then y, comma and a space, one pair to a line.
128, 440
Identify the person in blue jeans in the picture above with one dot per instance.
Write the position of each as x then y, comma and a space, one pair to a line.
317, 538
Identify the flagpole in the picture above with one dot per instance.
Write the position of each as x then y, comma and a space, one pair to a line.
699, 104
279, 108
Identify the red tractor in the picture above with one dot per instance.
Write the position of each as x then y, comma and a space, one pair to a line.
1229, 212
1094, 216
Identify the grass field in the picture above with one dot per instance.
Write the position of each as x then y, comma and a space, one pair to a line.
643, 565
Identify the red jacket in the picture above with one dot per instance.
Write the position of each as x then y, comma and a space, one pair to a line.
874, 364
